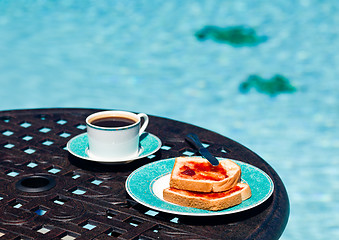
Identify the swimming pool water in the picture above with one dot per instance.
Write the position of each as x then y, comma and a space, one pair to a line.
143, 56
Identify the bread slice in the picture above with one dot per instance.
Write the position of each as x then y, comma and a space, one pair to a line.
208, 201
197, 174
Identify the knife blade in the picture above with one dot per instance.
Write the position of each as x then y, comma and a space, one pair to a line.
195, 141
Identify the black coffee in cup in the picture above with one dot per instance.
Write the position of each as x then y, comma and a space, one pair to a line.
113, 122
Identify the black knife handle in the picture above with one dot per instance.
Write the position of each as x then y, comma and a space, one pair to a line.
194, 139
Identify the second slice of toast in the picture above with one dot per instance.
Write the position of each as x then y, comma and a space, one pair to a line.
208, 201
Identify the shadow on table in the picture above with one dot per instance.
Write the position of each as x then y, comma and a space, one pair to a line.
228, 218
233, 218
93, 166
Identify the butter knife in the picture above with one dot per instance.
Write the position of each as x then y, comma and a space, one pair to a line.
194, 139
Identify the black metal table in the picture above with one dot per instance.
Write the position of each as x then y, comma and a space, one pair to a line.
46, 193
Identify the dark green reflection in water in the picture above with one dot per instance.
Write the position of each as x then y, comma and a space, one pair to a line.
273, 86
237, 36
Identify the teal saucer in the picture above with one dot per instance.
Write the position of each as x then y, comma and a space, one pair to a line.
78, 147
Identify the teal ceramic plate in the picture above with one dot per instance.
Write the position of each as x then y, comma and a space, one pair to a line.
145, 185
78, 146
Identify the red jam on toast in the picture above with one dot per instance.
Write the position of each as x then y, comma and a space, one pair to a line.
203, 171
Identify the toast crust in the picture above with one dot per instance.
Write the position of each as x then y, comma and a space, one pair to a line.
208, 201
219, 179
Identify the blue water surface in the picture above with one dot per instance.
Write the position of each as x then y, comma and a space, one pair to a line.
144, 56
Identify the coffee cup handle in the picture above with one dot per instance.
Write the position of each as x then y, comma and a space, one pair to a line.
144, 125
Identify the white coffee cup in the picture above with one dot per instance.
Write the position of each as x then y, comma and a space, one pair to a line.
114, 135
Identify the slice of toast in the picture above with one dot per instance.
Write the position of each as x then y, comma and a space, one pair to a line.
197, 174
208, 201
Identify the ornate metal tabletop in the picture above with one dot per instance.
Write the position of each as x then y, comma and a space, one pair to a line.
47, 193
